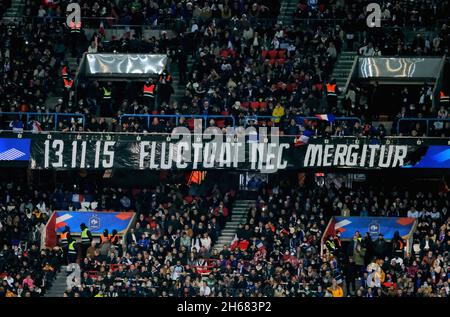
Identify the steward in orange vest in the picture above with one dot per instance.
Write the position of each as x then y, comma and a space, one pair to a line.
68, 83
149, 89
398, 245
165, 78
65, 237
331, 89
149, 93
75, 27
443, 98
65, 72
105, 236
331, 92
114, 238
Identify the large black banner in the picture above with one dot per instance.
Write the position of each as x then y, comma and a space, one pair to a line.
268, 154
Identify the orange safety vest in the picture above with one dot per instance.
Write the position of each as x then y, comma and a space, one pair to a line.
63, 237
64, 72
68, 83
168, 78
114, 239
331, 89
149, 91
443, 97
104, 238
75, 27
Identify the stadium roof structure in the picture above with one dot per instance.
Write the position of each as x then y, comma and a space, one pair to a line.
113, 67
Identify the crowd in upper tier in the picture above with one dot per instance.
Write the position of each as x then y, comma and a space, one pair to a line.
276, 251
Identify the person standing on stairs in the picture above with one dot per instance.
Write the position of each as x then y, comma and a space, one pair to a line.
165, 89
75, 36
64, 239
149, 93
182, 65
106, 109
86, 239
65, 70
72, 253
332, 92
67, 96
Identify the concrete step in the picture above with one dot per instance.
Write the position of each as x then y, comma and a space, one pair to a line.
226, 232
59, 284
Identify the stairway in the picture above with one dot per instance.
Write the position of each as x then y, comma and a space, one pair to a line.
178, 88
14, 12
59, 285
238, 216
287, 9
342, 70
73, 64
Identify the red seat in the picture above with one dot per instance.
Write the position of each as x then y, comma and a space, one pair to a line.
263, 105
220, 123
224, 113
113, 267
244, 105
264, 54
291, 87
224, 53
254, 105
282, 54
272, 61
155, 112
281, 61
273, 54
190, 123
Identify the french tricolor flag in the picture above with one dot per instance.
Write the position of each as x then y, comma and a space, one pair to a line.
77, 198
260, 245
234, 243
325, 117
301, 140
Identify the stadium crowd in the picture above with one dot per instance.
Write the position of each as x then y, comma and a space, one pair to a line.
244, 64
277, 251
164, 216
240, 66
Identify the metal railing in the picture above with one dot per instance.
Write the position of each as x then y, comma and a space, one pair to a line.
296, 118
178, 117
108, 22
416, 120
155, 23
56, 116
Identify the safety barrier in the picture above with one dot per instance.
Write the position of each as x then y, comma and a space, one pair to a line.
427, 120
178, 117
205, 118
55, 116
298, 118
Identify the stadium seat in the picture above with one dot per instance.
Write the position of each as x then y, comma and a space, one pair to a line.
190, 123
264, 54
273, 54
254, 105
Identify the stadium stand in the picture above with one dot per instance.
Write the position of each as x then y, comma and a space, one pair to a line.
313, 69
